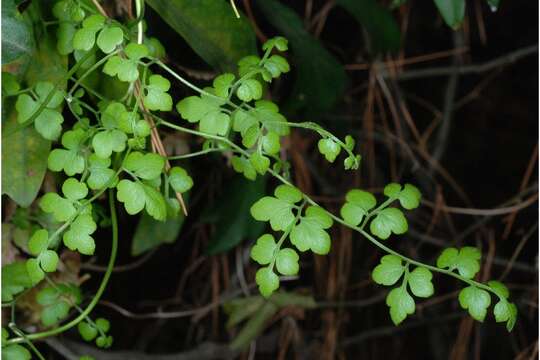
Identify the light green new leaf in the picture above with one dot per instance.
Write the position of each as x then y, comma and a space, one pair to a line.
263, 251
388, 271
34, 271
287, 262
420, 282
506, 311
329, 148
270, 143
267, 280
401, 304
466, 260
476, 300
242, 165
146, 166
180, 180
499, 288
409, 196
278, 42
260, 162
155, 204
275, 65
357, 205
388, 221
215, 123
70, 160
88, 332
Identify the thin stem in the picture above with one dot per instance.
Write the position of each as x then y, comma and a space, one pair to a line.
198, 153
235, 9
16, 330
90, 70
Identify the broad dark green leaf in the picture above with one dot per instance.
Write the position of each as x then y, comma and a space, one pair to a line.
24, 151
24, 159
151, 233
320, 78
16, 33
452, 11
233, 222
210, 28
377, 20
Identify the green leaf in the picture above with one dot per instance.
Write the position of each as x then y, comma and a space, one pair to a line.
193, 108
389, 271
62, 209
420, 282
264, 250
84, 39
452, 12
409, 197
316, 67
388, 221
24, 160
146, 166
78, 236
506, 311
329, 148
277, 210
49, 124
287, 262
180, 180
310, 233
276, 65
88, 332
466, 260
154, 203
16, 33
132, 195
151, 233
260, 162
56, 302
243, 165
288, 193
70, 160
401, 304
268, 281
103, 324
357, 205
15, 278
208, 27
126, 69
500, 289
39, 242
109, 38
222, 84
270, 143
278, 42
100, 173
156, 94
378, 21
230, 215
74, 190
34, 270
249, 89
15, 351
215, 123
476, 300
105, 142
48, 260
